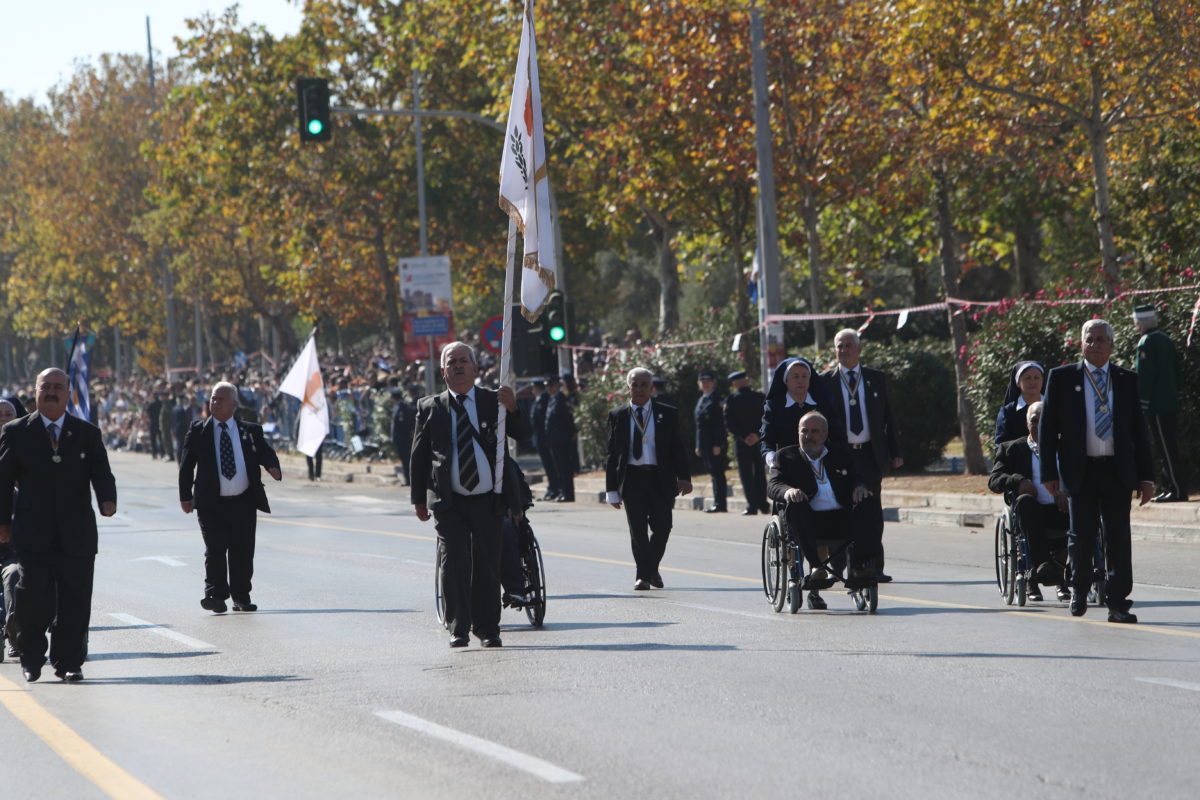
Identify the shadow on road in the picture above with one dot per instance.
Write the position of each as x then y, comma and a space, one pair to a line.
327, 611
123, 656
194, 680
588, 626
634, 647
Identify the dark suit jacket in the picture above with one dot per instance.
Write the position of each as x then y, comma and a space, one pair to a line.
433, 443
54, 502
710, 425
668, 448
1013, 464
872, 388
1062, 437
199, 472
792, 471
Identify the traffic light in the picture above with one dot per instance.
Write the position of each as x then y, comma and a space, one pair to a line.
312, 102
555, 326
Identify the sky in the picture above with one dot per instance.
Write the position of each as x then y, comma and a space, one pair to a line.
41, 40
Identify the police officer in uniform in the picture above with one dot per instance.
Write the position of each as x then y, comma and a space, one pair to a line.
712, 442
560, 433
545, 389
743, 415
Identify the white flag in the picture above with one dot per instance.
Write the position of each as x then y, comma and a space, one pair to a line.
304, 383
524, 183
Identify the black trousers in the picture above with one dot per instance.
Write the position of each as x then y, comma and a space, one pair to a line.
648, 510
54, 588
155, 445
564, 467
228, 526
867, 470
403, 447
1101, 497
1164, 433
752, 471
547, 457
1036, 521
470, 535
314, 465
810, 527
10, 575
716, 466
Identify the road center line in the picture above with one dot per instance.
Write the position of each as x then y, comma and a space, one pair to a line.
73, 748
161, 631
1192, 687
170, 562
534, 766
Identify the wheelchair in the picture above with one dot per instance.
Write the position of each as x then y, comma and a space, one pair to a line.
533, 572
1013, 566
784, 581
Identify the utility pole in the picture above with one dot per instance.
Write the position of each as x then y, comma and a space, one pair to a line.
769, 302
168, 283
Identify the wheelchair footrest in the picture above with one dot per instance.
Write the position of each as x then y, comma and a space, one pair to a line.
857, 582
813, 584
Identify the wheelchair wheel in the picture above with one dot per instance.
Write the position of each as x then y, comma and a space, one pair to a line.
535, 580
872, 593
795, 595
860, 599
774, 582
1005, 563
439, 599
1022, 589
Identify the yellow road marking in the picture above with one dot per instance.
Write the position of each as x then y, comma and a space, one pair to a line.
74, 749
1165, 631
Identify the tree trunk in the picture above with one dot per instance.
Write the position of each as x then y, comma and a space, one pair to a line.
391, 299
743, 319
972, 448
1027, 253
668, 270
816, 286
1098, 144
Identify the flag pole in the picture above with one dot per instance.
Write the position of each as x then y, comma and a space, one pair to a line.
506, 351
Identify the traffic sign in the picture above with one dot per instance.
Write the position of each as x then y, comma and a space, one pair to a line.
493, 330
432, 325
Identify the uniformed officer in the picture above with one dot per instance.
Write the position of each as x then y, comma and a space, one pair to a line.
560, 433
743, 415
404, 420
712, 442
543, 391
1158, 389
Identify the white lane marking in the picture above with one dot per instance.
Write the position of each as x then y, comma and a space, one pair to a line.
362, 498
534, 766
170, 562
375, 555
418, 563
1194, 687
161, 631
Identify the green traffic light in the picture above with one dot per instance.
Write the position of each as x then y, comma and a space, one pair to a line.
557, 333
315, 126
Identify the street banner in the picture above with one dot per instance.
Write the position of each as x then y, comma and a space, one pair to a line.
425, 292
304, 383
79, 403
524, 181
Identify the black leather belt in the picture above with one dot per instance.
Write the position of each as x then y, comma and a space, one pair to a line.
858, 446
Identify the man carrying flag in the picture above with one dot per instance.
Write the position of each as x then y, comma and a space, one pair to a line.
79, 402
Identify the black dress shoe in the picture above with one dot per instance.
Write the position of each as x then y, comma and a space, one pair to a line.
1118, 615
561, 499
716, 510
749, 512
492, 641
1034, 593
882, 578
1064, 594
31, 673
1169, 497
1078, 604
816, 602
656, 581
69, 675
214, 604
246, 606
641, 585
460, 641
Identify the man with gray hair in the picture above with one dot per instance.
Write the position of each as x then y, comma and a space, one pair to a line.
220, 476
647, 468
1094, 442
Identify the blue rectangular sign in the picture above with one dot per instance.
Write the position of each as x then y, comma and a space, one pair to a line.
434, 325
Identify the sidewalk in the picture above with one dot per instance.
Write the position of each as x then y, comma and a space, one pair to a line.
930, 499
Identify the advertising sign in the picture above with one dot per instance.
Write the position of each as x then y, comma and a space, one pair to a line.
428, 307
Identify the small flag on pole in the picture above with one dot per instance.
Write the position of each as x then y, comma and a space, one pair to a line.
79, 403
524, 181
304, 383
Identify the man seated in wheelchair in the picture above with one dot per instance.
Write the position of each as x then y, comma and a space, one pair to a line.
1017, 474
816, 479
516, 531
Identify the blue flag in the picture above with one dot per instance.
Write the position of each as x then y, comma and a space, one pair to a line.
79, 403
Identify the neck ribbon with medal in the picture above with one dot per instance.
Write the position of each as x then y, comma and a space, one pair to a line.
54, 439
818, 468
1096, 388
852, 391
645, 418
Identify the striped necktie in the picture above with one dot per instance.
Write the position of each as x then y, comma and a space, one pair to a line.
468, 469
1103, 412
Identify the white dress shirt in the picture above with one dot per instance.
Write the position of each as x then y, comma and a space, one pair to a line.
240, 482
860, 393
649, 452
482, 462
1095, 445
824, 499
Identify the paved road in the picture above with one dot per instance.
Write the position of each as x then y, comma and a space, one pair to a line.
343, 684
